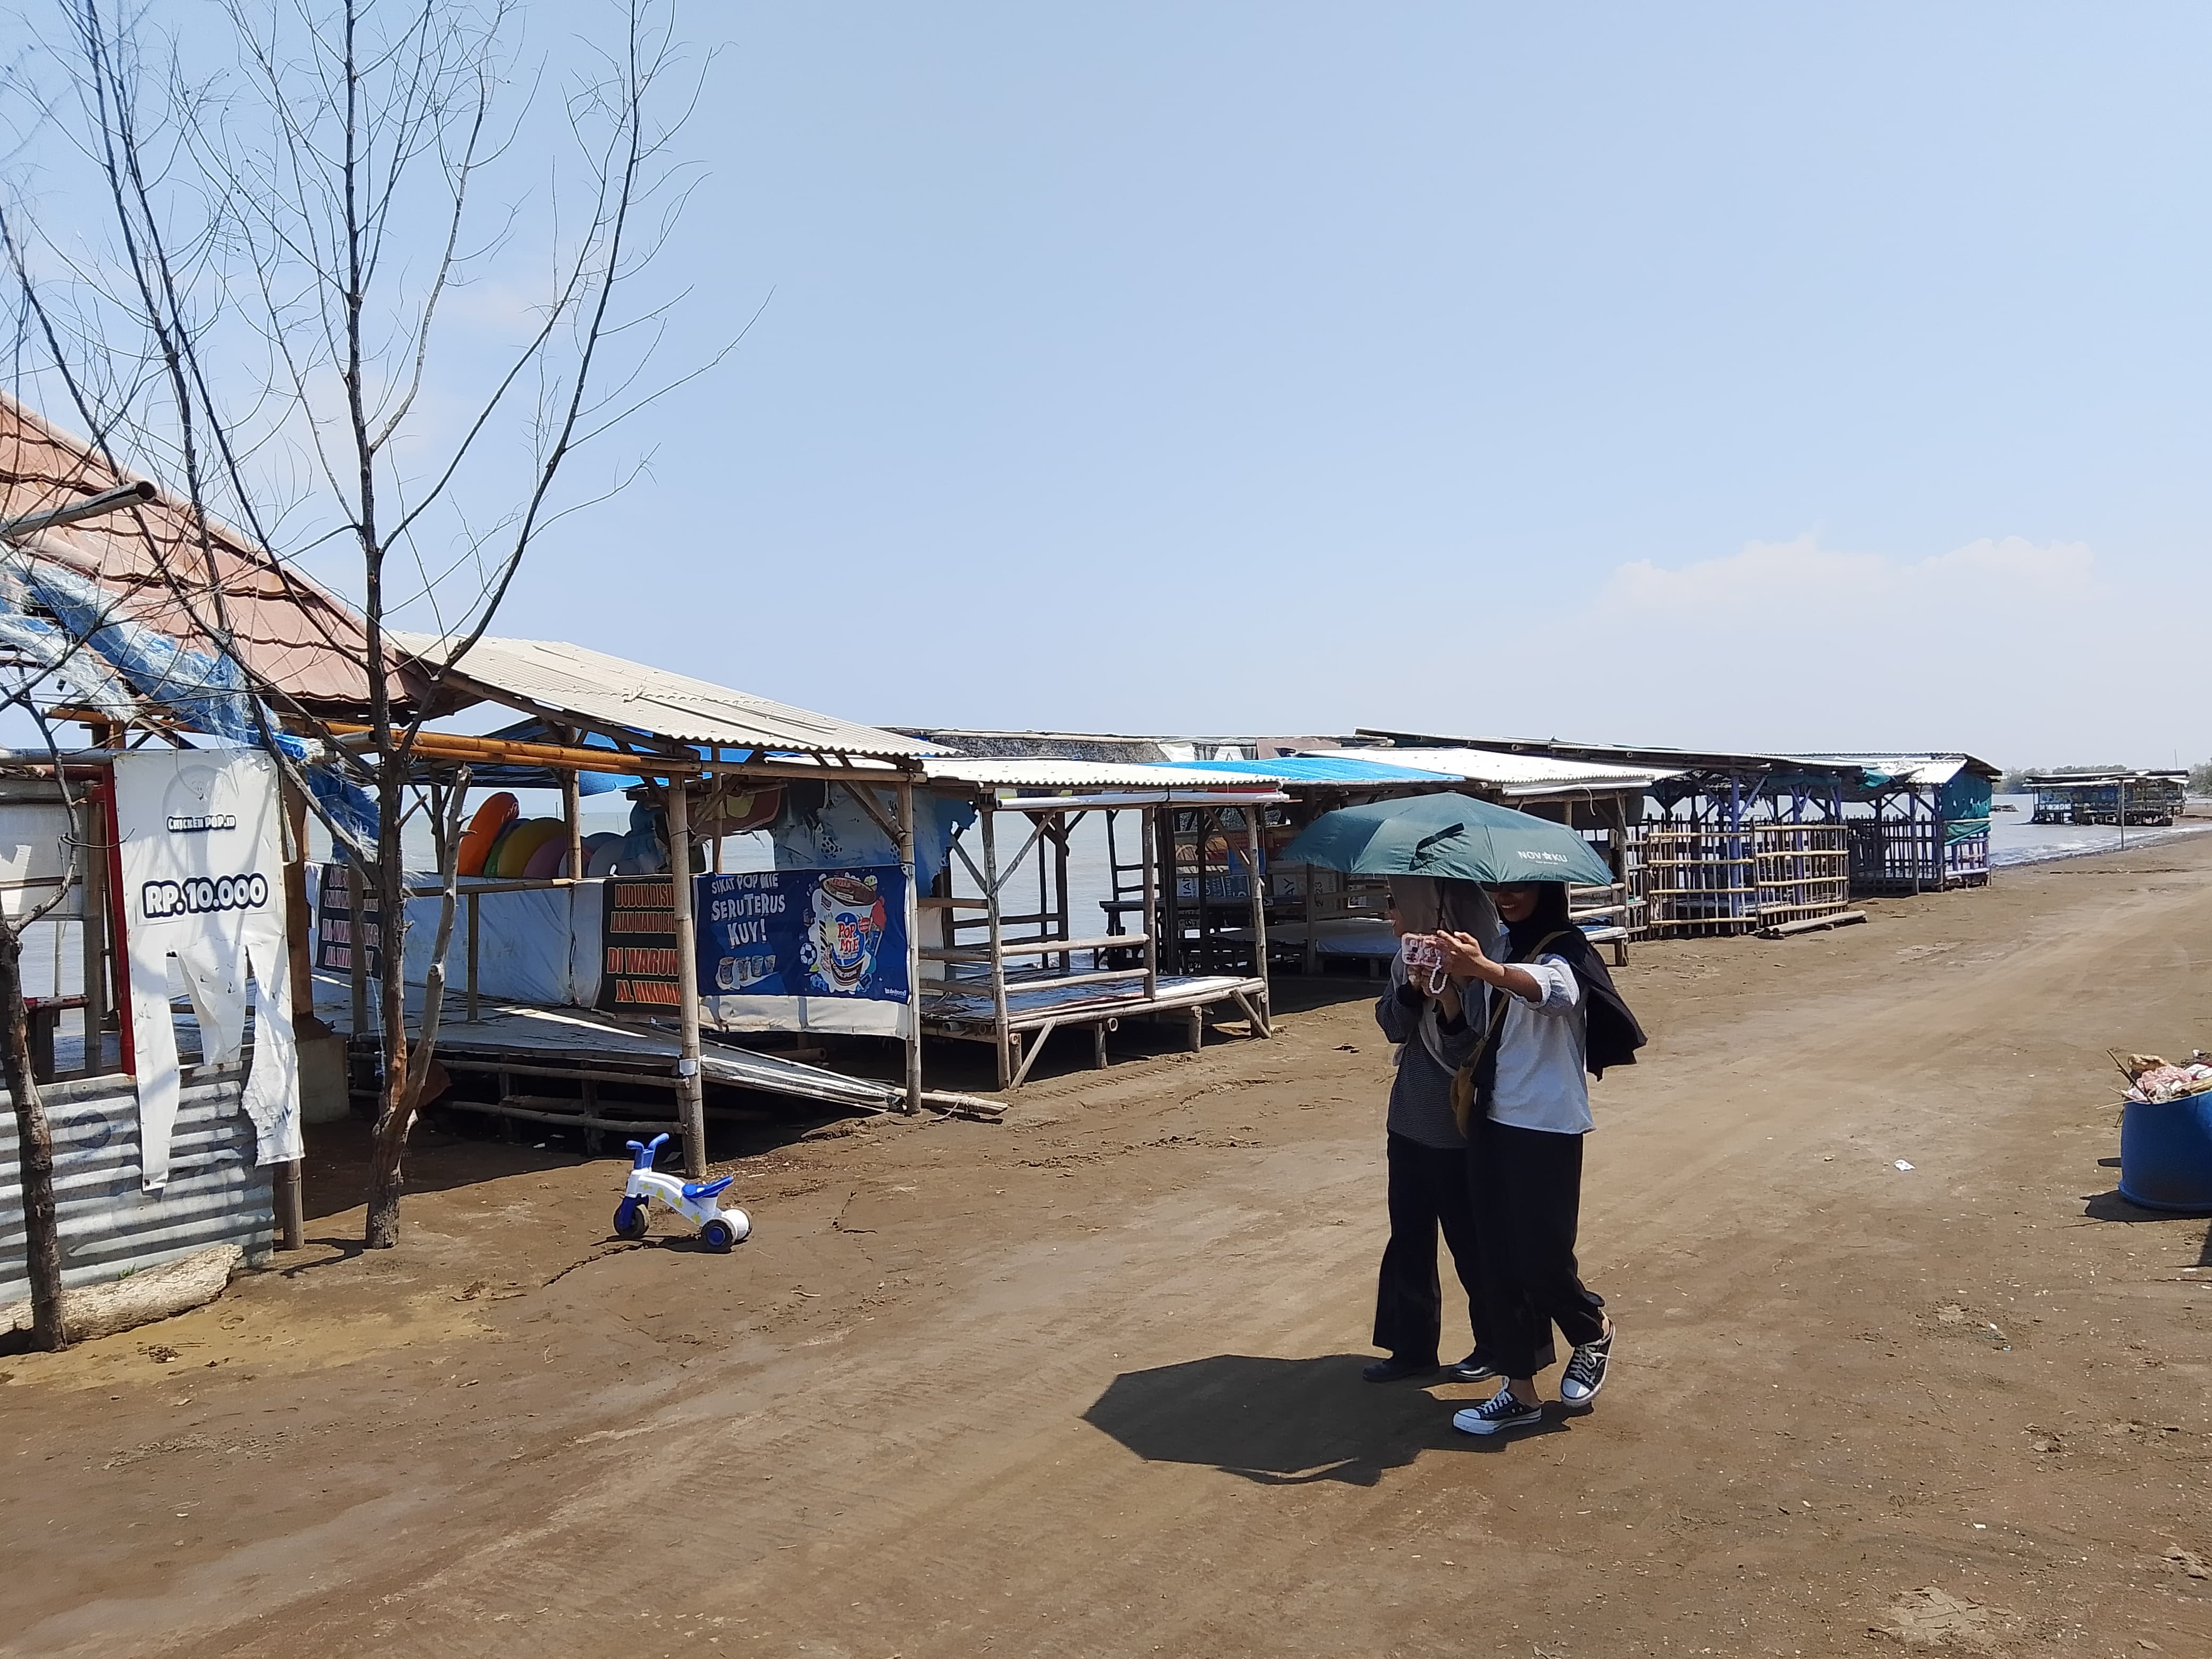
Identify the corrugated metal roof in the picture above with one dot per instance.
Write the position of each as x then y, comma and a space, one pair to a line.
291, 632
1518, 776
1000, 772
2065, 777
1906, 767
108, 1225
1108, 747
578, 686
1666, 763
1330, 768
1123, 746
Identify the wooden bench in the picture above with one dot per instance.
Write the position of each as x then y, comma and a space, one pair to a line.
1616, 937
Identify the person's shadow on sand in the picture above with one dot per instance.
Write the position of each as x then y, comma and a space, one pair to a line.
1284, 1422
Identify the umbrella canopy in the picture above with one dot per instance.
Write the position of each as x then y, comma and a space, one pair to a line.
1453, 837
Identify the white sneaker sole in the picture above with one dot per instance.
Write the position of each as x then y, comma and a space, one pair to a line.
1467, 1422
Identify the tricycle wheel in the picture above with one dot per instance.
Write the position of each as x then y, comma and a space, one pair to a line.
632, 1217
718, 1235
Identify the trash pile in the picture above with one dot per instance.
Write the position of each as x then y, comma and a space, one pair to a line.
2152, 1078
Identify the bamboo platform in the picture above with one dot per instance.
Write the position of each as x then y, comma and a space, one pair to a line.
530, 1050
966, 1010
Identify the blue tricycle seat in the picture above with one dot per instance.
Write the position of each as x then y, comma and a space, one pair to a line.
695, 1190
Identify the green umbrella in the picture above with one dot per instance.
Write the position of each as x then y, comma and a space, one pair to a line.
1446, 835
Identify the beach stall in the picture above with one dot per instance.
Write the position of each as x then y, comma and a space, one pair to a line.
1916, 823
2111, 795
1726, 842
1313, 916
1008, 959
579, 992
1198, 905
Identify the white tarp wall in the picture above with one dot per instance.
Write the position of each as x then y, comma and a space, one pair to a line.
202, 858
540, 944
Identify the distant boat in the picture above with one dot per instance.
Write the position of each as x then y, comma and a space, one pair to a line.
2003, 806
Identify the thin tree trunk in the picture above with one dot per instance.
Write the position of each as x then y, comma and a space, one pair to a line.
406, 1070
35, 1149
396, 1112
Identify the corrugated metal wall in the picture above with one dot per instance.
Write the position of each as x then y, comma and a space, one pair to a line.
109, 1226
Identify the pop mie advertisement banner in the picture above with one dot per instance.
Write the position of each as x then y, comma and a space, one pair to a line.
805, 934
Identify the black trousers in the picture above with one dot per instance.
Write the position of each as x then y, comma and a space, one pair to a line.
1526, 1187
1428, 1190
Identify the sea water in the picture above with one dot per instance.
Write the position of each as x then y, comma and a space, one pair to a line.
2014, 840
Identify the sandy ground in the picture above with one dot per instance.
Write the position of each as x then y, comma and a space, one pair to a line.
1087, 1382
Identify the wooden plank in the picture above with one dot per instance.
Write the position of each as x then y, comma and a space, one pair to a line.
1813, 924
554, 1106
577, 1119
1035, 1048
960, 1105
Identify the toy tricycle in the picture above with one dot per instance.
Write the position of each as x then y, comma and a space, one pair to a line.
719, 1229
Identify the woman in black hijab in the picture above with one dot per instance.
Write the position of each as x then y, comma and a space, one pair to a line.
1550, 1014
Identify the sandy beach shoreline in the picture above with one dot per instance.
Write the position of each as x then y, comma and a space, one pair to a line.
1086, 1382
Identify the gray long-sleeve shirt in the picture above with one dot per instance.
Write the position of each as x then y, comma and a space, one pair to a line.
1421, 1095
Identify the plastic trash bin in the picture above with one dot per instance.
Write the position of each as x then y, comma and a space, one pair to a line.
2165, 1154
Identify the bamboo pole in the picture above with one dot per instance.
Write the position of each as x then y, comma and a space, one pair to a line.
1060, 879
998, 962
291, 1216
691, 1095
1209, 820
93, 932
1160, 828
1255, 879
1148, 839
913, 905
571, 816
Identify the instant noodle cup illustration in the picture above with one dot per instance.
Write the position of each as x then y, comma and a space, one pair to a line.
848, 925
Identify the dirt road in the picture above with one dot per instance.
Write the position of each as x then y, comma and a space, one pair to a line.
1087, 1382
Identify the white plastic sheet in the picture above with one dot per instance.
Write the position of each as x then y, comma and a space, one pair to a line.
538, 945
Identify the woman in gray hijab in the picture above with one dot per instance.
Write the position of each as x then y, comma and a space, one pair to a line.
1422, 1014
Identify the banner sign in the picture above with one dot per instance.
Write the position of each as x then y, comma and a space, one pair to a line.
805, 934
203, 866
337, 926
638, 971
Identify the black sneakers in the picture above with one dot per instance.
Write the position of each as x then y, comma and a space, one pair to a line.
1470, 1370
1496, 1414
1585, 1372
1397, 1367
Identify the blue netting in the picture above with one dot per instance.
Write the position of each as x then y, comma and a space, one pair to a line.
109, 662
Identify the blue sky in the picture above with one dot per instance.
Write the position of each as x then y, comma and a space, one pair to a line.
1753, 375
